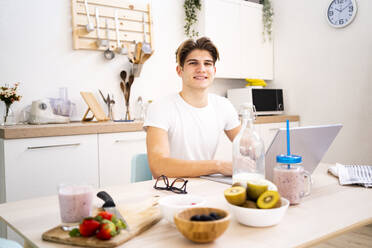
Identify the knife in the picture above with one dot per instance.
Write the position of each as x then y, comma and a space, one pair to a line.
110, 206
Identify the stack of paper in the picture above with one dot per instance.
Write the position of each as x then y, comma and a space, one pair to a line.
353, 174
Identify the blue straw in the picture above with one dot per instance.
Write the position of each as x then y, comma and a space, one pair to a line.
288, 143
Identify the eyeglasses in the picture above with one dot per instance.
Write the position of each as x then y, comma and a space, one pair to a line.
178, 185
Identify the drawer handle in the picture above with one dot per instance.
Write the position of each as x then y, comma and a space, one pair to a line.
273, 129
128, 140
41, 147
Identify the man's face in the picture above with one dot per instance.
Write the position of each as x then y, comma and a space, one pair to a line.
198, 70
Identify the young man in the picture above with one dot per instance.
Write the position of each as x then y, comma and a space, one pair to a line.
183, 129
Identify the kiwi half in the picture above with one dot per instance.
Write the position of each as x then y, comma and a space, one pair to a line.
255, 189
268, 199
236, 195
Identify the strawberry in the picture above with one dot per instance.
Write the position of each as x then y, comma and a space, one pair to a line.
105, 215
88, 227
106, 230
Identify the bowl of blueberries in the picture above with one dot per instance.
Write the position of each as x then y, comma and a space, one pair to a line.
203, 224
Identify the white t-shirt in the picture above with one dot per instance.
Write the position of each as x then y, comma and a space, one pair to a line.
193, 133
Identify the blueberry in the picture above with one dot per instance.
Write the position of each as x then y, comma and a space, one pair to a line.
215, 216
204, 217
195, 217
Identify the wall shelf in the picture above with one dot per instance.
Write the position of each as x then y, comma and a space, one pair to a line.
130, 24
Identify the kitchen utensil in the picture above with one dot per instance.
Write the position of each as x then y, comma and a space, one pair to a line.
259, 217
131, 80
141, 217
121, 49
109, 100
94, 107
137, 68
123, 75
127, 96
137, 52
146, 48
202, 231
99, 41
108, 54
145, 57
172, 204
89, 27
110, 206
41, 113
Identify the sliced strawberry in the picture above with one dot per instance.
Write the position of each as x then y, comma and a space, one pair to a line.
107, 230
105, 215
88, 227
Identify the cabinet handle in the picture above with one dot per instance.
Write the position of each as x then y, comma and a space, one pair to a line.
41, 147
128, 140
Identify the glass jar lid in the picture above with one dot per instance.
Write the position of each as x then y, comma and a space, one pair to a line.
288, 159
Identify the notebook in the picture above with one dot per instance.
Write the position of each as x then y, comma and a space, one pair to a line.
310, 142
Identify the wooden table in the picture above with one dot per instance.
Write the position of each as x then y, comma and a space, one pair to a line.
330, 210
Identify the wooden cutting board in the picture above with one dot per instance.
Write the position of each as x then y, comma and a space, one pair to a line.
139, 220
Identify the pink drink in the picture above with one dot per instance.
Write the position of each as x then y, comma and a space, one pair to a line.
75, 202
290, 182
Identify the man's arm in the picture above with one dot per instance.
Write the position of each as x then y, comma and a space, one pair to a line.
232, 133
161, 164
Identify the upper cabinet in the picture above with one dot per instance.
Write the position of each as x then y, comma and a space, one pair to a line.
236, 28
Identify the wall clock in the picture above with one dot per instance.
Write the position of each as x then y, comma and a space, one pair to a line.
341, 13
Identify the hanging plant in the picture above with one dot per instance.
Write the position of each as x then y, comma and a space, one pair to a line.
191, 7
267, 18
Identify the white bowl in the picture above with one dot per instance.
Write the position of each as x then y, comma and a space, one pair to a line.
259, 217
172, 204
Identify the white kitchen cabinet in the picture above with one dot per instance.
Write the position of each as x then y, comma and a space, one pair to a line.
115, 154
267, 132
222, 25
34, 167
236, 27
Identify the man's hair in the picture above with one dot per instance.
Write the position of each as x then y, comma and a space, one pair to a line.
190, 45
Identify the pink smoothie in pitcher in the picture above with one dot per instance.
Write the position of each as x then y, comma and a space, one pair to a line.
75, 202
290, 182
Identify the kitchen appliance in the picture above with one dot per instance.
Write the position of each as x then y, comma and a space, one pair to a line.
42, 113
266, 101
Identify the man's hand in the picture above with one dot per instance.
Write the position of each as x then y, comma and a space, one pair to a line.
224, 167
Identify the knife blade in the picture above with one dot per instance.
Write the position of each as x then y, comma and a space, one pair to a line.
109, 206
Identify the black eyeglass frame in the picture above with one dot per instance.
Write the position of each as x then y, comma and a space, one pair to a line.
180, 190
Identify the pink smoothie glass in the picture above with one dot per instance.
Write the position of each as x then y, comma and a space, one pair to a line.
290, 177
75, 202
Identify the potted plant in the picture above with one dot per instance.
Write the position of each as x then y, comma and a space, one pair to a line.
191, 8
8, 95
267, 18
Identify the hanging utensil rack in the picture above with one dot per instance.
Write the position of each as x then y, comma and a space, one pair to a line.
130, 24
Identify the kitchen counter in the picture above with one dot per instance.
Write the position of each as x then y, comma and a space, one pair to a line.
276, 118
78, 128
73, 128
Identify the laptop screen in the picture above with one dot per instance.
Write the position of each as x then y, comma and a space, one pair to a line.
310, 142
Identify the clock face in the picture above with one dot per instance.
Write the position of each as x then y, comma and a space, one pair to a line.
341, 12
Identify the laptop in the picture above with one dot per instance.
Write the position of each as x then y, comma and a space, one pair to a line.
310, 142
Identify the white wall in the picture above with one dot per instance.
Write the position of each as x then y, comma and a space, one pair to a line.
36, 42
327, 73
